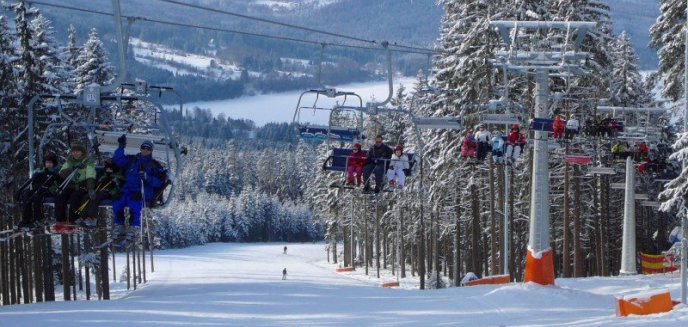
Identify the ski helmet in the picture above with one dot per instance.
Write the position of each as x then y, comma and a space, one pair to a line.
398, 148
357, 146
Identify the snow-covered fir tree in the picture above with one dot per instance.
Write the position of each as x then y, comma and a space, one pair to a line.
626, 85
29, 75
667, 36
8, 56
92, 64
69, 54
54, 74
675, 194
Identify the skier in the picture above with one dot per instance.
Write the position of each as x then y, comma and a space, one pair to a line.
378, 155
513, 144
284, 273
107, 188
397, 165
468, 145
643, 150
81, 187
285, 249
483, 138
617, 149
498, 148
43, 182
140, 174
558, 127
572, 127
355, 164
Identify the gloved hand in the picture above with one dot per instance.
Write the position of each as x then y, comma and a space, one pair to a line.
122, 140
143, 176
92, 195
79, 166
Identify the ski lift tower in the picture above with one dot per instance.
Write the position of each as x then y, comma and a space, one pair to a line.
541, 60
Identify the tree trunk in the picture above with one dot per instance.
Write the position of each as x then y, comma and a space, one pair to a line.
402, 244
377, 237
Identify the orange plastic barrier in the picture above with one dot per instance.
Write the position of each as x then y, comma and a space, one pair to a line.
656, 263
539, 270
345, 269
496, 279
390, 284
644, 303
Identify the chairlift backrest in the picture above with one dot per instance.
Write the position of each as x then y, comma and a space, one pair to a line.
320, 132
107, 141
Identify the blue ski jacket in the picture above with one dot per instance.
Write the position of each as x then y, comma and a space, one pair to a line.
131, 166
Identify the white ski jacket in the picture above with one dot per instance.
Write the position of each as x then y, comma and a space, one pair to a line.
398, 162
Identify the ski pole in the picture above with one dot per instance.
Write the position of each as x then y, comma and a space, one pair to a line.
98, 189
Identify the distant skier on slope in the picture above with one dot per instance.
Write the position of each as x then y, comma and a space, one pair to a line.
284, 273
285, 249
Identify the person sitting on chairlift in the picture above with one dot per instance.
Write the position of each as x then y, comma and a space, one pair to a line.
140, 174
43, 182
355, 163
81, 172
483, 138
513, 144
397, 165
468, 145
558, 127
376, 164
643, 150
498, 148
572, 127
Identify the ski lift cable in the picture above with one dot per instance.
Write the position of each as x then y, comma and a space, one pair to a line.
217, 29
304, 28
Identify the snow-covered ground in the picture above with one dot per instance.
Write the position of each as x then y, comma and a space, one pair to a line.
240, 285
280, 107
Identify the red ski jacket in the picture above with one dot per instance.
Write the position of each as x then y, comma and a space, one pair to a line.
357, 159
512, 138
558, 125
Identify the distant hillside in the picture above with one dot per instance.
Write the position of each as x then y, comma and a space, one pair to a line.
273, 65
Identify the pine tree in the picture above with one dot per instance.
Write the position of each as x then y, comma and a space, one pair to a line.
54, 74
69, 56
667, 36
8, 56
675, 195
92, 65
596, 42
626, 86
28, 70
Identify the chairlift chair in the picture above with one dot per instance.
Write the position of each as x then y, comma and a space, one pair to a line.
315, 131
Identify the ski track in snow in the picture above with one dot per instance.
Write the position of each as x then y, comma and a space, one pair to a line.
240, 285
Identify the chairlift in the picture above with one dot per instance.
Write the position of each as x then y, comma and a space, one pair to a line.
651, 204
577, 160
641, 197
315, 131
104, 142
601, 170
617, 186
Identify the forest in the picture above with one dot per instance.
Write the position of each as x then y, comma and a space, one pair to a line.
243, 183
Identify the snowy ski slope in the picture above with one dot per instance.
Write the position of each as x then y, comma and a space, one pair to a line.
240, 285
